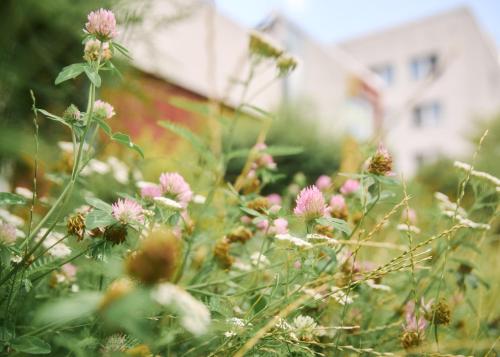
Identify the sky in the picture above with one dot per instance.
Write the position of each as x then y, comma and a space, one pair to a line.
332, 21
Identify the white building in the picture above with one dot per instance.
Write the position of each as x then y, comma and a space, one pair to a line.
441, 74
206, 53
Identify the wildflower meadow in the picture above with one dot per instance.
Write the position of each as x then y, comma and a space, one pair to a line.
194, 261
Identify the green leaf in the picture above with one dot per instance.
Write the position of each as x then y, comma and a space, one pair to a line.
30, 344
251, 212
7, 198
104, 126
93, 76
336, 223
193, 139
53, 117
70, 72
64, 310
283, 150
125, 140
98, 218
237, 154
99, 204
122, 50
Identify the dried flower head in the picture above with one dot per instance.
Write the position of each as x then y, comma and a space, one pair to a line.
102, 24
259, 204
115, 233
440, 313
103, 110
221, 253
240, 234
175, 187
310, 204
127, 211
380, 162
157, 258
76, 226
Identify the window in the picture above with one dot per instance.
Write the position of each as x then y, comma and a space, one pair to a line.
427, 115
386, 72
423, 66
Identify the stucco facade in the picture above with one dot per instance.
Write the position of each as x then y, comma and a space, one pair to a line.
442, 74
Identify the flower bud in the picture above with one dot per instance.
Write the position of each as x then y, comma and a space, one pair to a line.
76, 226
240, 234
381, 162
157, 258
72, 114
221, 253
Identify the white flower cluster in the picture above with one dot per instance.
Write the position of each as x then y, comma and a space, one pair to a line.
289, 239
495, 181
405, 227
302, 328
194, 315
236, 325
116, 167
449, 208
53, 242
341, 297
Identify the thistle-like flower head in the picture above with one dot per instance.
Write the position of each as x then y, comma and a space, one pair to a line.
102, 24
310, 204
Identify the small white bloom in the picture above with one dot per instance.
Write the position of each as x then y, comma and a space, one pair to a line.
168, 203
199, 199
16, 259
371, 283
75, 288
259, 259
340, 296
23, 191
293, 240
142, 184
194, 315
120, 170
404, 227
95, 166
53, 242
238, 264
11, 218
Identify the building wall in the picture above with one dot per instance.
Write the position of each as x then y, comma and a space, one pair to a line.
466, 84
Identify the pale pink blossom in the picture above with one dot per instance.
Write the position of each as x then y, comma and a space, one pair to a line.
101, 23
8, 233
280, 226
337, 203
174, 186
324, 182
297, 264
310, 203
274, 199
349, 187
127, 211
264, 159
151, 191
69, 270
262, 225
409, 215
246, 220
104, 109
